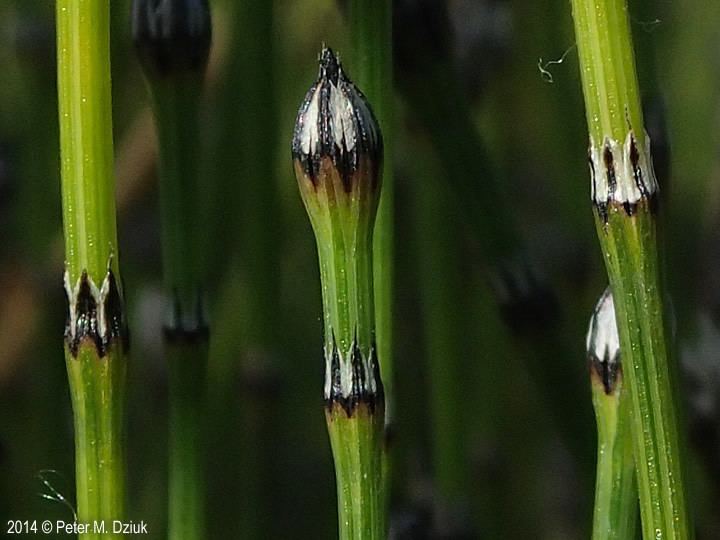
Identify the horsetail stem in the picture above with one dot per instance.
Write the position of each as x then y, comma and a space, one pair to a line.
624, 197
371, 36
173, 42
337, 152
95, 334
615, 513
527, 304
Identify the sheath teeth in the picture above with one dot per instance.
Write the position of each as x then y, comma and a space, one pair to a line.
621, 174
352, 377
94, 313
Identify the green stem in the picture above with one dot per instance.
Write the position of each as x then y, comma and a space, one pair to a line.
97, 392
371, 38
175, 104
95, 345
85, 111
355, 442
632, 262
345, 256
187, 363
626, 226
436, 98
615, 514
607, 63
440, 252
371, 35
438, 101
241, 175
340, 187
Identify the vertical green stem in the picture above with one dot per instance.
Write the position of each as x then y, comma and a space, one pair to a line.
625, 199
242, 176
95, 345
187, 365
175, 104
371, 35
338, 173
440, 250
355, 442
615, 513
88, 184
172, 39
344, 242
97, 392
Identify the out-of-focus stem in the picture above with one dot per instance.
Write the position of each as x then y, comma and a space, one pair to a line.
528, 305
371, 34
173, 42
186, 331
441, 252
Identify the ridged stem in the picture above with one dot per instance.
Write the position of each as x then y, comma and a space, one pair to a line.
96, 374
615, 512
627, 229
345, 254
85, 111
616, 498
371, 35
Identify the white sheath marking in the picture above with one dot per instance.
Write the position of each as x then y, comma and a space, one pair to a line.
627, 189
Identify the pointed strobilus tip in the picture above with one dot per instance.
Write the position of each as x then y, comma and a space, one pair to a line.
603, 344
337, 137
171, 36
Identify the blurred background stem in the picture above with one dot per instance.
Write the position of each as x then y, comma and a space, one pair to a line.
250, 334
527, 304
371, 36
173, 42
445, 306
175, 104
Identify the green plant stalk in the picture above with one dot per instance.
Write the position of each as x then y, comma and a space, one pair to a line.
358, 464
97, 392
346, 272
437, 100
86, 145
371, 40
371, 37
440, 252
615, 513
187, 364
337, 150
630, 250
96, 379
627, 231
244, 123
175, 104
